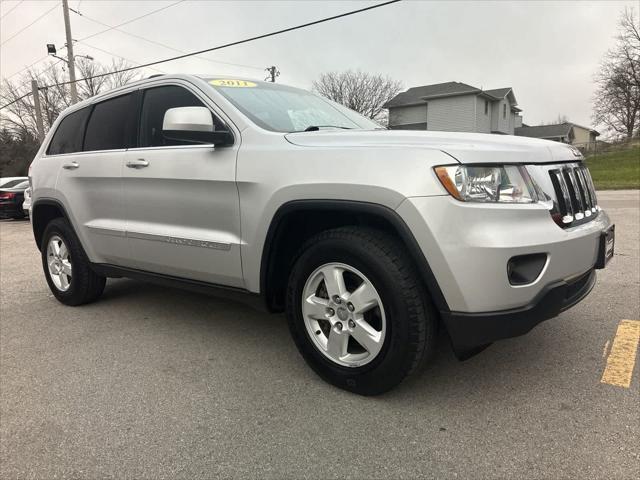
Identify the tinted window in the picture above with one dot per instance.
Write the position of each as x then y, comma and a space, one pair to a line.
68, 136
111, 123
156, 102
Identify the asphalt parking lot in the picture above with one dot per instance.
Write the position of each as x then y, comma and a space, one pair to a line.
151, 382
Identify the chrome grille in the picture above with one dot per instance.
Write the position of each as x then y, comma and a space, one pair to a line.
575, 194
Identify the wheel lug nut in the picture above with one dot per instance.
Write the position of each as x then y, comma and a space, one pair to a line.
331, 312
337, 299
352, 324
339, 326
350, 307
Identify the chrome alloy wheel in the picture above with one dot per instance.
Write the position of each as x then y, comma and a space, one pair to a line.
59, 263
343, 314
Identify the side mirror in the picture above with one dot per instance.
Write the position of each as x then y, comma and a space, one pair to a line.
194, 125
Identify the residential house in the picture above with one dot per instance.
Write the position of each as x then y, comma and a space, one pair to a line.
571, 133
455, 107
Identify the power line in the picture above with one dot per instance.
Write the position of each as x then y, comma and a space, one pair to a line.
246, 40
27, 67
116, 55
130, 21
24, 28
12, 9
162, 44
94, 34
238, 42
16, 100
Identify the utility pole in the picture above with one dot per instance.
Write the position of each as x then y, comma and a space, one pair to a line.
70, 58
273, 73
36, 104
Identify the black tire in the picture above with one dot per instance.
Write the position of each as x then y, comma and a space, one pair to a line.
85, 286
411, 319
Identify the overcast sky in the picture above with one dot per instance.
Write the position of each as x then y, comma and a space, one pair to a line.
546, 51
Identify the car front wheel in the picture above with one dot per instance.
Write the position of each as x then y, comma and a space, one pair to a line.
357, 310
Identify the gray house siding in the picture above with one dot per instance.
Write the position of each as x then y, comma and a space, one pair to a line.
483, 121
500, 123
452, 114
503, 119
455, 107
412, 115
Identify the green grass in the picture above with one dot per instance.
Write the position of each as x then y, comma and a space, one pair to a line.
616, 170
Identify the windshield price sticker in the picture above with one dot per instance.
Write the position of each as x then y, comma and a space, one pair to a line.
228, 82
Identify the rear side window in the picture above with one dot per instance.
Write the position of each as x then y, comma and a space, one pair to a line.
68, 136
111, 124
156, 102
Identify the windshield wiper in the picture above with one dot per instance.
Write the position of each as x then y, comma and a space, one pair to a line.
315, 128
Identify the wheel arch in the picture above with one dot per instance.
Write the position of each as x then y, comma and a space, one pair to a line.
42, 212
283, 241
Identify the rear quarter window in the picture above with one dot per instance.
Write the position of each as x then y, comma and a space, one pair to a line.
68, 135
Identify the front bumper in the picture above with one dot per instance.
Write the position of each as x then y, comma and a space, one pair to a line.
470, 332
468, 247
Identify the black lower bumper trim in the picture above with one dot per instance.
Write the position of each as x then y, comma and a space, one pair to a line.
469, 332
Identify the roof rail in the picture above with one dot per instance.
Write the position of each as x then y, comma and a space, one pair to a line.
156, 75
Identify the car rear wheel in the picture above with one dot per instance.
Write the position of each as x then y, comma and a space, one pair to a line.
66, 266
357, 310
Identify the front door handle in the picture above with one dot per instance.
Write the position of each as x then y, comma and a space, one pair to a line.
71, 166
139, 163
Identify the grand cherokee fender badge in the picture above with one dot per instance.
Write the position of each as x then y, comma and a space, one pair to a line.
187, 242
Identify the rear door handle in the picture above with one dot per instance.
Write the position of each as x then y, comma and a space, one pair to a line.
139, 163
71, 166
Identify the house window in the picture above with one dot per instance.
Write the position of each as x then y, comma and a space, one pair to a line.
486, 107
504, 110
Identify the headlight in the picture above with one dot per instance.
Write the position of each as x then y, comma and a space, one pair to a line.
488, 183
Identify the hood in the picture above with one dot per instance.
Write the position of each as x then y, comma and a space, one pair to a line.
464, 147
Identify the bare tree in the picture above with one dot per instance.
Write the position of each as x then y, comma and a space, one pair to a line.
363, 92
19, 116
18, 131
617, 98
121, 78
91, 72
561, 118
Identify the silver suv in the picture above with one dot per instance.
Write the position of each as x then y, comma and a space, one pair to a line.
369, 239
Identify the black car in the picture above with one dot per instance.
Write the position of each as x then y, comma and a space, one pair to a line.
11, 198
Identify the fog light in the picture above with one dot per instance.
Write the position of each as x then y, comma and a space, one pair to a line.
525, 269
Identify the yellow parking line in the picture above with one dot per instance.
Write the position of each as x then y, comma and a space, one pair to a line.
622, 357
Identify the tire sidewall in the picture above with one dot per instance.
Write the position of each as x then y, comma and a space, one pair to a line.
61, 229
392, 359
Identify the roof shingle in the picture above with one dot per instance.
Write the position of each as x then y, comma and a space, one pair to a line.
545, 131
417, 95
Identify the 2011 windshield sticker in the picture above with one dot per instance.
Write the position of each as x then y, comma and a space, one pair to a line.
229, 82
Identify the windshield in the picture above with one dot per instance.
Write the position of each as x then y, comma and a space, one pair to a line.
280, 108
